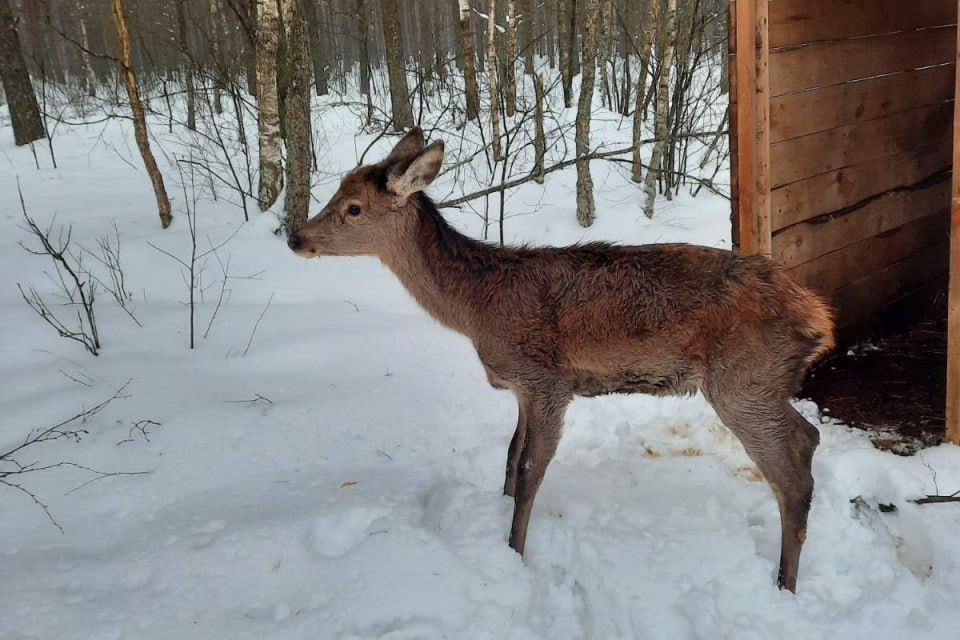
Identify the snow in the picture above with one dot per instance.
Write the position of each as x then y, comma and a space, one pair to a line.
342, 479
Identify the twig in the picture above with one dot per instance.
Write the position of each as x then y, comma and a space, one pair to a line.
254, 332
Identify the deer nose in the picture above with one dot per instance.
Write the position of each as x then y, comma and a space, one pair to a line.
294, 241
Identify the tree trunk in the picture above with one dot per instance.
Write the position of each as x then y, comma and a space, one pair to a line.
320, 66
21, 100
660, 116
653, 17
526, 35
604, 43
215, 56
296, 202
89, 74
510, 64
469, 60
363, 26
268, 108
540, 138
572, 40
139, 121
396, 66
187, 65
492, 77
563, 44
251, 29
586, 210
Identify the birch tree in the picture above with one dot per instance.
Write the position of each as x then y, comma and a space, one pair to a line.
586, 209
139, 120
492, 77
660, 115
509, 65
21, 100
653, 17
89, 74
268, 107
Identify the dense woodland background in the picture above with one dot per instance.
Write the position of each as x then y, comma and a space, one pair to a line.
248, 80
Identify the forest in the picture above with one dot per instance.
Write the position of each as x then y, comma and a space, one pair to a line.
208, 436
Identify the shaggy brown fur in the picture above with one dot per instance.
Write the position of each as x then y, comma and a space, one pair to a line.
552, 323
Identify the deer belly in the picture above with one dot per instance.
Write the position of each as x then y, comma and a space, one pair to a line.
670, 382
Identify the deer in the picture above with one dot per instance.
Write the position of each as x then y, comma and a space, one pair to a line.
552, 323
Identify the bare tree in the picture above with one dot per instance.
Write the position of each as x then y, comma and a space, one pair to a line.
492, 77
317, 50
586, 209
653, 16
21, 100
660, 118
188, 65
139, 119
396, 66
539, 138
469, 60
89, 73
296, 202
268, 104
564, 7
510, 63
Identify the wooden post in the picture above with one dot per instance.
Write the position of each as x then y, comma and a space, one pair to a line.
953, 315
753, 125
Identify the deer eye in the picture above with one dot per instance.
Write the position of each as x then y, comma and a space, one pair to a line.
354, 209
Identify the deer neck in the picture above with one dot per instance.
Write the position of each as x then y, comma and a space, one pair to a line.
445, 271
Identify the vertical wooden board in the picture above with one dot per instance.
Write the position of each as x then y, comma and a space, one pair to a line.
794, 22
752, 125
733, 119
827, 63
746, 123
763, 232
953, 314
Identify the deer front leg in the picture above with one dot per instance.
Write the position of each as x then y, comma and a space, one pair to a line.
544, 425
513, 454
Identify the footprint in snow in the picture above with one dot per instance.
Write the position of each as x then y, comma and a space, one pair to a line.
337, 533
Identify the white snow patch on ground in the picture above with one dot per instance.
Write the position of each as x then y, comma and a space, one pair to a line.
360, 496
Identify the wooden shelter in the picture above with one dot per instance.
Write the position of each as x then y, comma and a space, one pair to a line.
843, 145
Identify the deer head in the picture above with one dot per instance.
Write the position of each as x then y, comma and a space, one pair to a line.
372, 204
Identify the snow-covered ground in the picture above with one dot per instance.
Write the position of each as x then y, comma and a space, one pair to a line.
341, 476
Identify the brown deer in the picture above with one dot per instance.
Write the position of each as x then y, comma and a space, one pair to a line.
552, 323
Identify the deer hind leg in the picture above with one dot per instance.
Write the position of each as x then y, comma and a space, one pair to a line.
513, 454
544, 425
781, 442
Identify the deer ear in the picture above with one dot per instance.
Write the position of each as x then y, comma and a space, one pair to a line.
418, 175
409, 146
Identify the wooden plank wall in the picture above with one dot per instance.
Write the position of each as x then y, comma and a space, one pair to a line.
860, 130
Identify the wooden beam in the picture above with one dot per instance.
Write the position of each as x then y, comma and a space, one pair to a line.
835, 190
827, 63
811, 239
796, 22
848, 145
800, 114
953, 315
753, 125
